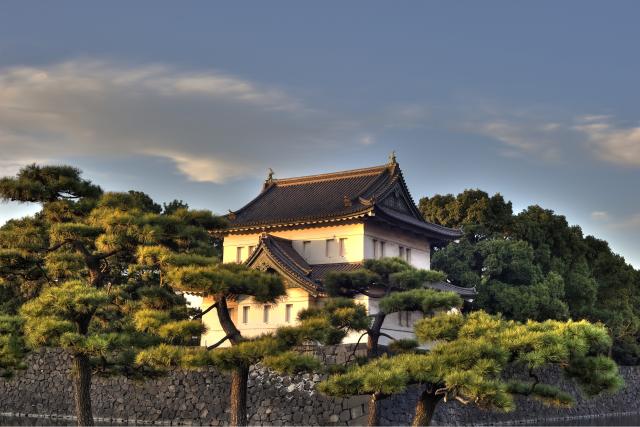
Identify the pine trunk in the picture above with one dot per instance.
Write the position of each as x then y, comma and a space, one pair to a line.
238, 396
374, 335
425, 409
82, 389
373, 418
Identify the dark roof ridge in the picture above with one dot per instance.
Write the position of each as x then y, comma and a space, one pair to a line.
299, 180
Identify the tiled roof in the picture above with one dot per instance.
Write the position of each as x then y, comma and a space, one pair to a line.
281, 252
437, 230
319, 271
463, 292
312, 197
331, 197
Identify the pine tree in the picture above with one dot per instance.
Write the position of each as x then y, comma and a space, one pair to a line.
377, 279
469, 359
12, 345
228, 282
74, 272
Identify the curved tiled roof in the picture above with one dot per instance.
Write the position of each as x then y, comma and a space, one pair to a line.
445, 286
331, 197
281, 252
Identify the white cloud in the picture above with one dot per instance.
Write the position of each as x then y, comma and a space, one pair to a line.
522, 138
212, 126
609, 142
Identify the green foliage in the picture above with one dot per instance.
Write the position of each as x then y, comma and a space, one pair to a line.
424, 300
291, 363
341, 313
89, 271
228, 279
405, 345
468, 361
46, 184
552, 270
12, 346
547, 394
479, 215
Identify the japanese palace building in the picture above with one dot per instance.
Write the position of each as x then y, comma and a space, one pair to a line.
304, 227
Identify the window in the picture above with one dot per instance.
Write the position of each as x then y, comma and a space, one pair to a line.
245, 314
265, 313
382, 245
329, 250
306, 247
343, 246
251, 249
404, 318
375, 249
287, 313
401, 251
408, 255
239, 254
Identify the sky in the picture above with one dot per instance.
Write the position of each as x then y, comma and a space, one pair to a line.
195, 100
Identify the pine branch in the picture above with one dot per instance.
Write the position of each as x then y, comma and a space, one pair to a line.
355, 348
200, 315
219, 343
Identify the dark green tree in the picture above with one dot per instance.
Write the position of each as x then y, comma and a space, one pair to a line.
479, 215
12, 345
74, 274
469, 359
596, 284
507, 278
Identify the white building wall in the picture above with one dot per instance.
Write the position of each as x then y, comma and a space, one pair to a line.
299, 299
419, 247
315, 252
358, 245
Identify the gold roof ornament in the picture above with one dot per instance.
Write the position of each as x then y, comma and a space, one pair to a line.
270, 176
392, 158
231, 215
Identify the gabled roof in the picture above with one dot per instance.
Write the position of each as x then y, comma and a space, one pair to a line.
334, 197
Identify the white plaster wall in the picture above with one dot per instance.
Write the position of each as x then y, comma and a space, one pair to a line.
420, 247
298, 298
317, 236
391, 324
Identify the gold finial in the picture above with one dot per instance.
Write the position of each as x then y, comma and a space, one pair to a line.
392, 158
270, 176
347, 201
231, 215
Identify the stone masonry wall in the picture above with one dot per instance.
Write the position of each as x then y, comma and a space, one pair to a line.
202, 397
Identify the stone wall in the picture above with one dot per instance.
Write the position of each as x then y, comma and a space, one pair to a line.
202, 397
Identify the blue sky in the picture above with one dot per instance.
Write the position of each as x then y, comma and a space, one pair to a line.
195, 100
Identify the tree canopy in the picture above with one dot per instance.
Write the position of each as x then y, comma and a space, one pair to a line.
469, 361
535, 265
75, 272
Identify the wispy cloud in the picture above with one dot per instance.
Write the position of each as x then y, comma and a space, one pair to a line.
609, 141
213, 126
522, 138
631, 222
